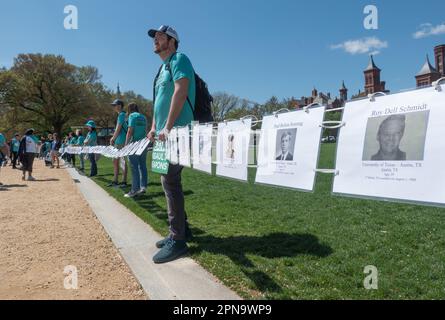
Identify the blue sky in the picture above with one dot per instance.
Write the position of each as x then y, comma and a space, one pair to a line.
253, 49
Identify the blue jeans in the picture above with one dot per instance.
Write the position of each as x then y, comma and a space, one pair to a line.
139, 177
92, 158
82, 161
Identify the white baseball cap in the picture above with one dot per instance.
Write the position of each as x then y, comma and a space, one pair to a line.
164, 29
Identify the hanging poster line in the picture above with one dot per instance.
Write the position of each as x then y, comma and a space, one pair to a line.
392, 147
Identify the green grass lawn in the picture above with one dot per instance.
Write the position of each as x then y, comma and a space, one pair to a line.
273, 243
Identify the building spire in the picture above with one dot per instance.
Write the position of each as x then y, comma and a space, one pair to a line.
118, 92
427, 68
371, 65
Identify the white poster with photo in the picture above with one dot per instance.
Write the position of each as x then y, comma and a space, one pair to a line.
394, 148
289, 147
232, 149
202, 147
173, 146
184, 146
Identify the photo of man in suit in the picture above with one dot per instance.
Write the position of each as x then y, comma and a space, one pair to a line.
390, 133
286, 147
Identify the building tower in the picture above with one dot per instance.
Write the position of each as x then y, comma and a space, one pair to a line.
439, 58
118, 92
427, 75
372, 78
343, 92
314, 93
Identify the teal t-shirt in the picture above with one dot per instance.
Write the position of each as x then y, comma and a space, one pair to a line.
92, 138
2, 140
180, 67
73, 141
36, 140
121, 120
138, 122
15, 145
80, 140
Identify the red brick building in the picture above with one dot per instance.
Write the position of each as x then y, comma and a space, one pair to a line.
428, 74
373, 82
372, 78
439, 54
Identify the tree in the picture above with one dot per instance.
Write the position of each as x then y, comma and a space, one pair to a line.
47, 92
222, 104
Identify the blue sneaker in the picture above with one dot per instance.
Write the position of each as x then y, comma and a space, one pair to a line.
188, 237
172, 250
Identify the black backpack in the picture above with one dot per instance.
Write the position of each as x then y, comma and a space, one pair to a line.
202, 111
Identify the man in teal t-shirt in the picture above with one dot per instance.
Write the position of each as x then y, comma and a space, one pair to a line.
180, 68
118, 141
175, 83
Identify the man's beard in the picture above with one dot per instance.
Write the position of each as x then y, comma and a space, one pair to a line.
161, 48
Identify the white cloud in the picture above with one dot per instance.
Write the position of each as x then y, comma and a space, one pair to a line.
362, 46
427, 29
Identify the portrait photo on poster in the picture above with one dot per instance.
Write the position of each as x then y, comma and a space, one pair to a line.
397, 137
201, 145
285, 144
230, 147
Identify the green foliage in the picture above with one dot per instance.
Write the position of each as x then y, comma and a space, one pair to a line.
51, 95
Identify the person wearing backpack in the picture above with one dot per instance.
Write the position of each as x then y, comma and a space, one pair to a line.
174, 96
118, 141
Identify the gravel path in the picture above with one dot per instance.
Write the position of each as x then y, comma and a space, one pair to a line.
45, 226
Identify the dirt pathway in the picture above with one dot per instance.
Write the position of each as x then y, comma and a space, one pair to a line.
45, 226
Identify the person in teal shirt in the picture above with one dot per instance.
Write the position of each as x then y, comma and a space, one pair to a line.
175, 67
118, 141
174, 88
91, 141
15, 145
79, 142
137, 130
72, 141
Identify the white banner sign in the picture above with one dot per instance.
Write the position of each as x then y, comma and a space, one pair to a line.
394, 147
202, 147
173, 146
289, 147
184, 146
232, 149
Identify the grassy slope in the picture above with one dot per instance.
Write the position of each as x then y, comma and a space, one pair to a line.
274, 243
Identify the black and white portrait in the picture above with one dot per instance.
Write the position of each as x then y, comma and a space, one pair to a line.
230, 149
285, 144
398, 137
